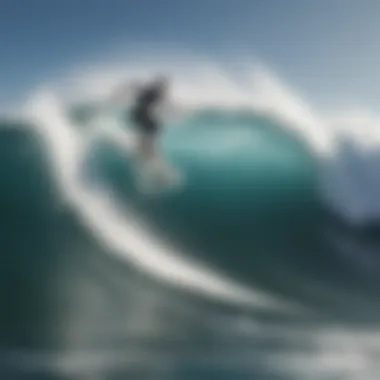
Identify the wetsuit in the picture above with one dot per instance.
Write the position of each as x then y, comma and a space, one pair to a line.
142, 111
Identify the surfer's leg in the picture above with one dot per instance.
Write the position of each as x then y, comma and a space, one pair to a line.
148, 137
142, 124
153, 170
146, 146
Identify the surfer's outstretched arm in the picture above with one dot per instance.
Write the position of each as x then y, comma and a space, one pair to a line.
122, 93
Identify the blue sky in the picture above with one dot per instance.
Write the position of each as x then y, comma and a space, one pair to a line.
327, 48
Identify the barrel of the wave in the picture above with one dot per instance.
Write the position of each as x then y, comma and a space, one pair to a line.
249, 189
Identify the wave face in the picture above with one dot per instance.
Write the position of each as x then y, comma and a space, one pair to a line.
256, 260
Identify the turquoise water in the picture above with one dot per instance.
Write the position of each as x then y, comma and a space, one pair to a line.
250, 210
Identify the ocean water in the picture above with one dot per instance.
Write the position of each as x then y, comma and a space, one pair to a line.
263, 266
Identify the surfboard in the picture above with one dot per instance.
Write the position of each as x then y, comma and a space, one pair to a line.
158, 177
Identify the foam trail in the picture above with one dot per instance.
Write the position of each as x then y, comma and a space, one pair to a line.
122, 233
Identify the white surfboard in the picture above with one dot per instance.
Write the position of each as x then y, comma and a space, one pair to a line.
158, 177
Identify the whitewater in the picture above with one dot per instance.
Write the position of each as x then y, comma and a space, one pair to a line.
308, 310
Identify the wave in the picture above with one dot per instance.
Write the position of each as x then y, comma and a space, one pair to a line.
348, 179
89, 165
264, 171
209, 96
279, 177
122, 232
251, 90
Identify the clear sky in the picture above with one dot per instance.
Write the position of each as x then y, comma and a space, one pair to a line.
327, 48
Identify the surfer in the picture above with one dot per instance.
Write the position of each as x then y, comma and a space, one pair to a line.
151, 166
143, 116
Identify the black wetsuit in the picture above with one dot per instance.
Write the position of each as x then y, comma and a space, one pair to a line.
141, 112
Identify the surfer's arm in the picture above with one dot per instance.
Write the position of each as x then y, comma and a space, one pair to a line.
123, 93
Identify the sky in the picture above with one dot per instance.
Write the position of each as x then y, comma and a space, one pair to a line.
328, 48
